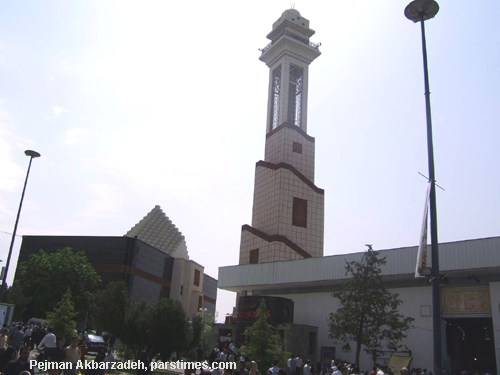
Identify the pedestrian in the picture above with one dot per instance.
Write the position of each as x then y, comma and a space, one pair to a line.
254, 369
307, 368
48, 343
17, 366
72, 355
275, 368
3, 340
18, 337
8, 355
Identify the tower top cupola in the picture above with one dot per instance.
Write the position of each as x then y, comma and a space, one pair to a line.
288, 57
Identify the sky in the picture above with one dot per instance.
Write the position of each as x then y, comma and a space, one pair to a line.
135, 104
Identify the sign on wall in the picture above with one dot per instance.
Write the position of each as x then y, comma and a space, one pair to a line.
466, 301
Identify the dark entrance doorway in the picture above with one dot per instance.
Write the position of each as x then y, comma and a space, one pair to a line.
470, 345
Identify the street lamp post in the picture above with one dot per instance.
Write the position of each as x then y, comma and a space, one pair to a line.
32, 154
420, 11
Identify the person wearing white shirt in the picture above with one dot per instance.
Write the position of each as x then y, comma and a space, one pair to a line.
307, 368
48, 343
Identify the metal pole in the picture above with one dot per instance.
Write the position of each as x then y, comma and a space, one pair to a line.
4, 279
436, 293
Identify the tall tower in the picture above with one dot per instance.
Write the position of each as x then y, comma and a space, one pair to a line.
288, 208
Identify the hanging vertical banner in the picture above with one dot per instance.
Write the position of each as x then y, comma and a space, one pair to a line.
422, 244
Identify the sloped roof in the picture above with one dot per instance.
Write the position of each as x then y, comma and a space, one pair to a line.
157, 230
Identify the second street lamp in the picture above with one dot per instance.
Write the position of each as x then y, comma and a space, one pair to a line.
32, 154
420, 11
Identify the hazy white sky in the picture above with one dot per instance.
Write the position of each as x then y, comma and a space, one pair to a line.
133, 104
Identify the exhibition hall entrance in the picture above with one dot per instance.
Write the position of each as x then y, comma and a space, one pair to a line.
470, 345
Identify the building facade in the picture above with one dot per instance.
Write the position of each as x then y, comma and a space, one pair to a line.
151, 259
470, 296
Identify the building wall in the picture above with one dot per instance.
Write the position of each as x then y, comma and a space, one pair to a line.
274, 192
155, 263
183, 286
495, 315
209, 294
313, 309
279, 148
269, 251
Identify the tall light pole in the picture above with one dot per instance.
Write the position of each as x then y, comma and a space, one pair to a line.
32, 154
420, 11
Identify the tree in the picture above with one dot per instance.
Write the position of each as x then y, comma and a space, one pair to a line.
15, 295
368, 312
168, 327
161, 328
109, 307
45, 277
62, 318
264, 344
137, 325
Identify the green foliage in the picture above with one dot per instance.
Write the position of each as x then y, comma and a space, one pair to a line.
368, 313
168, 327
109, 307
62, 318
136, 326
264, 344
200, 333
15, 295
208, 321
44, 278
162, 328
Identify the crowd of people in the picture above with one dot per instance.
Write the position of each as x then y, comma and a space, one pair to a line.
17, 343
296, 365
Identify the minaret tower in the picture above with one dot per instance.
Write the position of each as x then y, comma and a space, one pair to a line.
288, 208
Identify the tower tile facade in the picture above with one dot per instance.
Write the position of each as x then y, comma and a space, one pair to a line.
288, 209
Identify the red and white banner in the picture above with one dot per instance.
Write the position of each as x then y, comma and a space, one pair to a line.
422, 254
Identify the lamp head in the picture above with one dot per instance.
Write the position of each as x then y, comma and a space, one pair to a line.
32, 153
421, 10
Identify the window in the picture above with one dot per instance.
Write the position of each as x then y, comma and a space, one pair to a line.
200, 302
311, 350
275, 97
295, 87
297, 147
197, 277
254, 256
299, 212
182, 289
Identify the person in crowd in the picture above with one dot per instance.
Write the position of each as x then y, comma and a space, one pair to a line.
72, 355
58, 353
242, 369
17, 366
27, 336
299, 364
48, 343
291, 365
254, 369
306, 370
18, 337
8, 355
3, 340
275, 368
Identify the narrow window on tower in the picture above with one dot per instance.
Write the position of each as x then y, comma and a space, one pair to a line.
299, 212
197, 277
254, 256
295, 87
200, 302
275, 97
